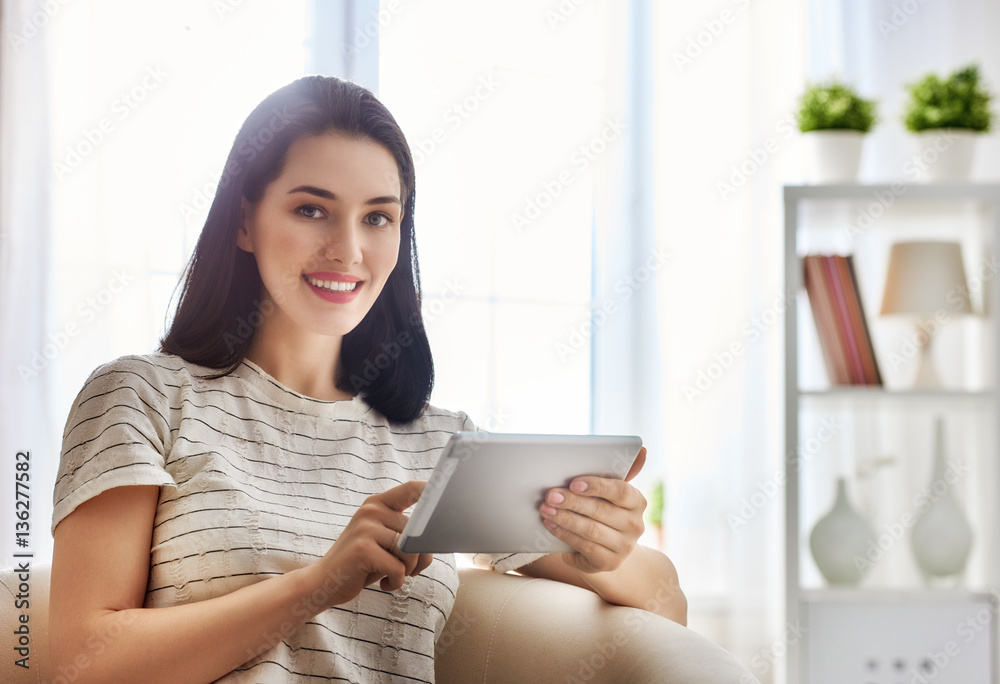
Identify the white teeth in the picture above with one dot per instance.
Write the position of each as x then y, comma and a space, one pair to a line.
332, 285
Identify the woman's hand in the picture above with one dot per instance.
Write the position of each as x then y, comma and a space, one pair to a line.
366, 550
599, 517
603, 521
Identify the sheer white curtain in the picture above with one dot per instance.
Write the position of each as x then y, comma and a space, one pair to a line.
504, 108
538, 247
727, 80
630, 255
26, 237
727, 77
116, 120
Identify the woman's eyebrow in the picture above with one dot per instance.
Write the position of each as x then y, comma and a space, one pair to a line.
326, 194
313, 190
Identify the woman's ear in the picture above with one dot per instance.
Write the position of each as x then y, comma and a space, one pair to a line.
244, 239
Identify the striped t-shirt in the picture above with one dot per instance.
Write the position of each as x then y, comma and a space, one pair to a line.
256, 480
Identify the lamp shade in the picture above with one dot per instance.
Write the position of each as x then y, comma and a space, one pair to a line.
924, 278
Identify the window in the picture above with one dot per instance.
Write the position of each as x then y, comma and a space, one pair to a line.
139, 138
501, 123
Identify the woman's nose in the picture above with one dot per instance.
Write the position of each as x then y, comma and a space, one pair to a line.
341, 243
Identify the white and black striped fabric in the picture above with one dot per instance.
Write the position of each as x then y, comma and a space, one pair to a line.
256, 480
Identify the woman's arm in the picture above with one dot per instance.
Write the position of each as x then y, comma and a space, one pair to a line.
101, 566
646, 579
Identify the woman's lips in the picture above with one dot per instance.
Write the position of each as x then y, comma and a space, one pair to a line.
334, 287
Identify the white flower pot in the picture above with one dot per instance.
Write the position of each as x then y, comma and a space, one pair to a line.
945, 154
834, 155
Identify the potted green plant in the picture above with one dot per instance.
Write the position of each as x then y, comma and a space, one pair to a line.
654, 511
947, 115
835, 119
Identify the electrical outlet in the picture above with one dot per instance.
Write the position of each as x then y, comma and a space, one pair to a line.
907, 638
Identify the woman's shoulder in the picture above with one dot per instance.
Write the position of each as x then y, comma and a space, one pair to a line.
435, 419
156, 364
153, 375
431, 420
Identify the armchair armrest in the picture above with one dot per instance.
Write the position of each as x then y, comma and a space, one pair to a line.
503, 629
506, 628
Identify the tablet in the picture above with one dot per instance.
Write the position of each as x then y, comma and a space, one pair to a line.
484, 493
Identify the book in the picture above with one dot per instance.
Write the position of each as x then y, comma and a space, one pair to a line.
872, 373
845, 326
845, 339
826, 328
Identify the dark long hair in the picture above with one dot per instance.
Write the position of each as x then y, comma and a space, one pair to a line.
386, 358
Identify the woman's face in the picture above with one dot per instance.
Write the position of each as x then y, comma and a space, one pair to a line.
325, 234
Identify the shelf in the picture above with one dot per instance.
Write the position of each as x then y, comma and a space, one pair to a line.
881, 437
879, 396
935, 191
862, 391
860, 595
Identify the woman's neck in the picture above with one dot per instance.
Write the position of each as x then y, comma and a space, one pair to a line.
307, 364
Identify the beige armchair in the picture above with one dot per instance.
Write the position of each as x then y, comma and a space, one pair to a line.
504, 629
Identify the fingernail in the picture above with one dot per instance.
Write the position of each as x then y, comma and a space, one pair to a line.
578, 486
548, 510
555, 498
549, 524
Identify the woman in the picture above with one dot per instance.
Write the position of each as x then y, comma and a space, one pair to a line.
227, 509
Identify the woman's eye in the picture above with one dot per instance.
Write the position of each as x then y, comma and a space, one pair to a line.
310, 211
379, 220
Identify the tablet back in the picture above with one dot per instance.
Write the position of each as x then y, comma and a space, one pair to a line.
484, 494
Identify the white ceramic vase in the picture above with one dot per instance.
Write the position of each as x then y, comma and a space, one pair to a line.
945, 155
838, 538
834, 155
941, 537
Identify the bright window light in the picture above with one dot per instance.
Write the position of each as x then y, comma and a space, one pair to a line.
505, 199
145, 105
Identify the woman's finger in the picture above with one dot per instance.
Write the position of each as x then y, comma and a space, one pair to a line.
618, 492
411, 562
401, 497
592, 555
591, 530
423, 561
626, 520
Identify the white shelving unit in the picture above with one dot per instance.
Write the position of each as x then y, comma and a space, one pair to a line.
879, 439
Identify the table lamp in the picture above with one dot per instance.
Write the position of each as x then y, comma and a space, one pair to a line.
926, 280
